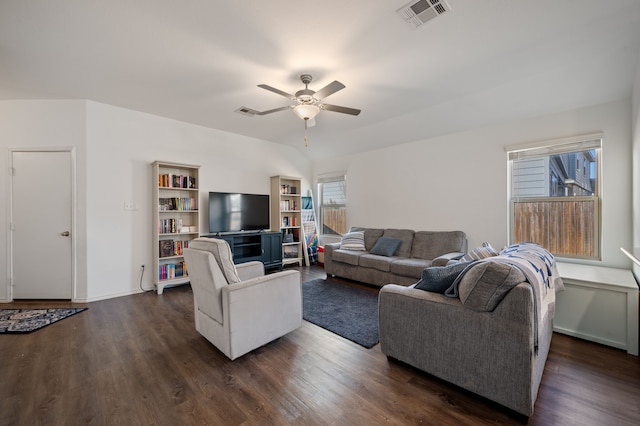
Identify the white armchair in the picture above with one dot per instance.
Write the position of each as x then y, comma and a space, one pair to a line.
236, 307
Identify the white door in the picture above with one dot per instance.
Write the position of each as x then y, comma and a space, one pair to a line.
41, 215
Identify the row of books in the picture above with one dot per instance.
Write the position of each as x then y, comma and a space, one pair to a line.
169, 226
289, 221
174, 226
169, 180
288, 205
168, 248
169, 271
177, 203
288, 189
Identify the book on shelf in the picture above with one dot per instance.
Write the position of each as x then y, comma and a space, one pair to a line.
166, 248
188, 228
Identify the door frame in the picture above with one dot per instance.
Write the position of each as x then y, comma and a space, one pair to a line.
72, 153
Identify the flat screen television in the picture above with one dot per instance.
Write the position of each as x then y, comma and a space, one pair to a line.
238, 212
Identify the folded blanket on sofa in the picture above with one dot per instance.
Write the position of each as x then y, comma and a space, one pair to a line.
539, 268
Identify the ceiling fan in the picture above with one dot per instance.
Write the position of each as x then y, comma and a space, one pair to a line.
308, 102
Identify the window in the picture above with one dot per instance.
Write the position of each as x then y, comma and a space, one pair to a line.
554, 196
333, 205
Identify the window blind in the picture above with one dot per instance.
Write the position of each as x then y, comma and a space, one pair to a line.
560, 146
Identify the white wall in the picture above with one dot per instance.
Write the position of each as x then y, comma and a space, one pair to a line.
459, 181
114, 150
456, 181
635, 117
42, 124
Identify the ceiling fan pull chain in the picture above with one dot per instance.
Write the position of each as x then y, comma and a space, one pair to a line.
306, 143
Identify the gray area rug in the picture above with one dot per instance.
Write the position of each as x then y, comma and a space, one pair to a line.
344, 310
28, 320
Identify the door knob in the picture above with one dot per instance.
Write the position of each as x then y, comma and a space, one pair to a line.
65, 233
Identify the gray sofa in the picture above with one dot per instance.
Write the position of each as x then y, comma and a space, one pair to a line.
418, 250
493, 339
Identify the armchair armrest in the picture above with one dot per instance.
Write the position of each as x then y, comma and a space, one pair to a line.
443, 259
249, 270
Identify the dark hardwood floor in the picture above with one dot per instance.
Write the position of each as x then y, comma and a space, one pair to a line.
137, 360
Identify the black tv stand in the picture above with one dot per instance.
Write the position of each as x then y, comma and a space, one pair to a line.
263, 246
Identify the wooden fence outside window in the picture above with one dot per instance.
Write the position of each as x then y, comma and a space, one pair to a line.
334, 220
566, 226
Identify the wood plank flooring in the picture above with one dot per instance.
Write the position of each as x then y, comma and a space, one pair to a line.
137, 360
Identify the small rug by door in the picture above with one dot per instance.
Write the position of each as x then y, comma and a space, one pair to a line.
28, 320
347, 311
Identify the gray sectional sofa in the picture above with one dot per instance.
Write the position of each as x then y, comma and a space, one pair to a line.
491, 336
417, 250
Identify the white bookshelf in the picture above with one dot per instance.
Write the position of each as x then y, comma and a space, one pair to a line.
286, 216
176, 220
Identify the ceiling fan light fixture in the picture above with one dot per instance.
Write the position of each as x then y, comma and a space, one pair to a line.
308, 102
306, 111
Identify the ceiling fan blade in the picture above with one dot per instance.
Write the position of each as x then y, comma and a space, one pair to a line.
272, 110
341, 109
277, 91
329, 89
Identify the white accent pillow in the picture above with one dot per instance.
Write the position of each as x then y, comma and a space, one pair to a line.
353, 241
480, 253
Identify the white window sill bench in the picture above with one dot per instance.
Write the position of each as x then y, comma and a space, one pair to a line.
599, 304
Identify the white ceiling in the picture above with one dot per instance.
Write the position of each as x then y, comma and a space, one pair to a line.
199, 60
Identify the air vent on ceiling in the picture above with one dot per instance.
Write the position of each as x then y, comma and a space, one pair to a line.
246, 111
418, 12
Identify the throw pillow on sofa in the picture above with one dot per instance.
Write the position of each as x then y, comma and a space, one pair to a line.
353, 241
437, 279
386, 246
485, 284
478, 253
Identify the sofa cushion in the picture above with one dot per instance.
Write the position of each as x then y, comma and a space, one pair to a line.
352, 241
381, 263
408, 267
482, 252
386, 246
484, 285
371, 235
431, 244
439, 278
349, 257
406, 235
